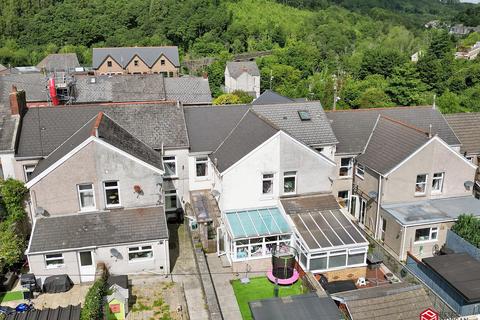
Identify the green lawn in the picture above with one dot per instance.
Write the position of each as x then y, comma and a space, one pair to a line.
260, 288
11, 296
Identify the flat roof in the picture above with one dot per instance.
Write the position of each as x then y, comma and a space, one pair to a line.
327, 229
302, 307
436, 210
257, 223
461, 271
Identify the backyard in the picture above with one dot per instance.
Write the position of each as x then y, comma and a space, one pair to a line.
260, 288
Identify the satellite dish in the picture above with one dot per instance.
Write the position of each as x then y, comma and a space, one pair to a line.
115, 253
468, 185
373, 194
39, 211
436, 250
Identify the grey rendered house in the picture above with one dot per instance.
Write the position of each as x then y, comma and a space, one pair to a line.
98, 198
352, 128
411, 187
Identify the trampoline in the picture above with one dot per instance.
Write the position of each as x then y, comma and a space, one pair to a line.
283, 269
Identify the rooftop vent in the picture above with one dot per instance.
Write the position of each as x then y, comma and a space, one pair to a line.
93, 80
304, 115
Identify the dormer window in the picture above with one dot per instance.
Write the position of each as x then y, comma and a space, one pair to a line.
304, 115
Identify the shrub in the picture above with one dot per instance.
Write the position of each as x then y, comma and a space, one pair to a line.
468, 227
13, 193
93, 307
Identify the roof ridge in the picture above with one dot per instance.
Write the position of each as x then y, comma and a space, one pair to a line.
384, 108
428, 134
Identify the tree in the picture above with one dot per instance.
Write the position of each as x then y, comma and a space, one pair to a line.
449, 102
405, 88
227, 98
380, 61
244, 97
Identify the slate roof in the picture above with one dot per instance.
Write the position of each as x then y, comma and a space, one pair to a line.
390, 143
249, 133
300, 307
236, 68
271, 97
461, 271
316, 131
467, 128
46, 128
208, 126
59, 62
353, 127
188, 90
109, 131
400, 301
98, 229
34, 85
61, 313
123, 55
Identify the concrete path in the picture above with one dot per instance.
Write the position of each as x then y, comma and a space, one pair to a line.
221, 279
185, 272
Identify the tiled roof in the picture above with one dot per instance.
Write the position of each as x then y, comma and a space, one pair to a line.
107, 130
188, 90
59, 62
353, 127
46, 128
60, 313
316, 131
400, 301
98, 229
390, 143
249, 133
34, 85
236, 68
271, 97
466, 127
123, 55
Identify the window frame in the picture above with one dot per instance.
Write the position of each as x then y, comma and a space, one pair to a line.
272, 181
170, 193
109, 64
174, 161
135, 63
105, 188
425, 183
162, 62
442, 180
205, 161
345, 200
360, 168
348, 167
94, 207
432, 230
140, 249
290, 174
26, 171
54, 266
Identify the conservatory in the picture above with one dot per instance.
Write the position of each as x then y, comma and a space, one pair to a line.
252, 234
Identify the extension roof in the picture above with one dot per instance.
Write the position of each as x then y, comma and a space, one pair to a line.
98, 229
460, 271
59, 62
123, 55
46, 128
466, 127
107, 130
61, 313
271, 97
236, 68
353, 127
301, 307
400, 301
250, 132
390, 143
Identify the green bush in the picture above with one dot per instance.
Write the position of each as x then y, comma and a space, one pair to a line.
468, 227
13, 193
93, 307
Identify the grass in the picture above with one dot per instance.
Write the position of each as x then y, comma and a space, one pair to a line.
260, 288
11, 296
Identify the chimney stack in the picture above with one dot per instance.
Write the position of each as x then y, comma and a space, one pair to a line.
18, 102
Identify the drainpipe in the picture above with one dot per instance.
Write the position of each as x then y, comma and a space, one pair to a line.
379, 197
404, 238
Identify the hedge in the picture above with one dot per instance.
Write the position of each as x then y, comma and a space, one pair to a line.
93, 307
468, 227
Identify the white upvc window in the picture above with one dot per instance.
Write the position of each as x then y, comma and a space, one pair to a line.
170, 200
267, 183
201, 166
360, 171
86, 197
437, 182
140, 253
426, 234
290, 182
170, 164
346, 167
28, 171
54, 260
421, 184
112, 194
344, 198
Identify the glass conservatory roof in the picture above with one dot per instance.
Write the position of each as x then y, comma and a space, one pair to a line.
256, 223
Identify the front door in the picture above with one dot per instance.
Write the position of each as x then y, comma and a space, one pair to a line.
87, 266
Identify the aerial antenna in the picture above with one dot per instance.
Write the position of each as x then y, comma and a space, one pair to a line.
434, 106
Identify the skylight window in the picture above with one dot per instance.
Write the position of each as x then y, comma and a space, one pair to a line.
304, 115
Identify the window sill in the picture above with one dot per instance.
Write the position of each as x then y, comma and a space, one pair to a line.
114, 207
425, 241
88, 210
290, 193
420, 194
344, 177
55, 266
203, 178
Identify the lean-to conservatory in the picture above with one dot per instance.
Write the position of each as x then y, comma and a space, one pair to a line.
253, 233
